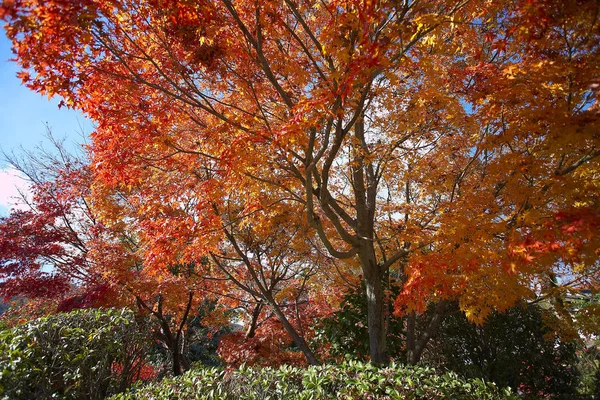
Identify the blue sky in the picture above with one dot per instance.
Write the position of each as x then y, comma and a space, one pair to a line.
24, 116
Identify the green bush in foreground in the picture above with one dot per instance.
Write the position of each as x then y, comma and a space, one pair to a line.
84, 354
350, 380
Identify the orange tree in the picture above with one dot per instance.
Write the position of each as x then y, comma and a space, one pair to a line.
260, 258
452, 144
270, 257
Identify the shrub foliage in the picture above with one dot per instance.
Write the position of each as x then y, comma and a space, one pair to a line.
84, 354
513, 349
349, 380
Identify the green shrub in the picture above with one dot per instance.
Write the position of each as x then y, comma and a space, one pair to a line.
511, 349
588, 365
350, 380
84, 354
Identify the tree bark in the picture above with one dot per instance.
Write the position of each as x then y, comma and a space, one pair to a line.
298, 340
376, 306
251, 332
177, 369
414, 347
376, 321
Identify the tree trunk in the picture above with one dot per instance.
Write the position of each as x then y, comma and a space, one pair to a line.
171, 343
180, 338
165, 335
254, 321
364, 183
414, 347
375, 309
298, 340
180, 363
376, 319
177, 368
410, 338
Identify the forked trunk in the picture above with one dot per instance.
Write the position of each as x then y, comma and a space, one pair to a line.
415, 343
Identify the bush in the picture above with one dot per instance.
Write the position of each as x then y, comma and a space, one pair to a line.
350, 380
511, 349
84, 354
588, 365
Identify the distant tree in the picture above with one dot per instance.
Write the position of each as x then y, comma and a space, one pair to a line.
43, 248
59, 252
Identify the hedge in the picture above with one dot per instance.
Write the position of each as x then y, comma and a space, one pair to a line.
350, 380
85, 354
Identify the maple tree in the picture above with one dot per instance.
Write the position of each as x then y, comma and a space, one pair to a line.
170, 296
265, 265
59, 257
43, 251
272, 257
69, 241
62, 223
450, 144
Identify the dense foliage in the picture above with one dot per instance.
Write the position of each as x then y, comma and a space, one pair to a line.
349, 380
265, 156
515, 349
588, 367
84, 354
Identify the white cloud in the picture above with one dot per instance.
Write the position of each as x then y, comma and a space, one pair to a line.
11, 183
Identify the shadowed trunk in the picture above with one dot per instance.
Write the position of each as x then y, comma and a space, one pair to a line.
414, 346
173, 342
376, 307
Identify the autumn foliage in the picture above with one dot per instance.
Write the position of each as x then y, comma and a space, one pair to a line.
43, 250
274, 144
